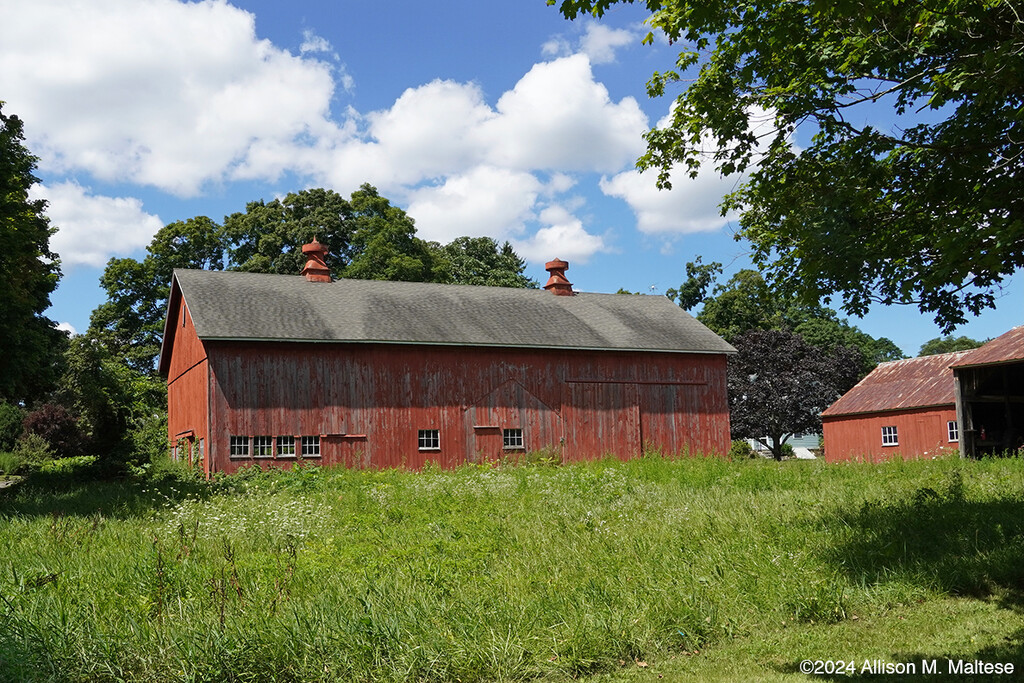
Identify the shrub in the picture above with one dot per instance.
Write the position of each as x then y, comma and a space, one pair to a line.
33, 451
545, 457
75, 467
162, 468
11, 417
58, 428
144, 444
740, 450
10, 463
788, 451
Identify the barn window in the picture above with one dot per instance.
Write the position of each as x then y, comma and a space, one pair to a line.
430, 440
286, 446
889, 436
512, 438
239, 447
262, 446
311, 447
954, 430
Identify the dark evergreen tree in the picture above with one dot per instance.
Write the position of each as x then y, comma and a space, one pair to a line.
30, 343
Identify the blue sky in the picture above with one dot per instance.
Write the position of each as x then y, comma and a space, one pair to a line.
478, 118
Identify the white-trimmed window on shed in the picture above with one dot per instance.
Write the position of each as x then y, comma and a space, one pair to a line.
286, 446
890, 437
512, 439
429, 439
311, 446
953, 429
262, 446
238, 446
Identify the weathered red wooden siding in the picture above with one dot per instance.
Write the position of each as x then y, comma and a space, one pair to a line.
921, 433
582, 404
188, 406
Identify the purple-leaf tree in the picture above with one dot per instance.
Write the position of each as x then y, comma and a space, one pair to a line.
779, 385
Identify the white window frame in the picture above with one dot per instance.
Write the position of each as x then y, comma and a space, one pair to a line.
953, 431
890, 436
239, 446
429, 439
263, 446
512, 439
285, 445
311, 446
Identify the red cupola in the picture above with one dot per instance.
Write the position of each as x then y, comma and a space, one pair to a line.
316, 269
557, 283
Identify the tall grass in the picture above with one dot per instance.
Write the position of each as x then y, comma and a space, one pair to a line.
480, 574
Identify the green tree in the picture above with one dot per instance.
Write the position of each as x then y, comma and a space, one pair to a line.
927, 211
30, 343
11, 417
949, 344
368, 237
480, 261
130, 323
747, 302
112, 399
384, 245
828, 331
695, 290
268, 236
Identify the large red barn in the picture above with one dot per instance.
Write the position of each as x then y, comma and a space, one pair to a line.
275, 369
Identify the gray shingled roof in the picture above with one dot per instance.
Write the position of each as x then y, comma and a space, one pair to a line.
252, 306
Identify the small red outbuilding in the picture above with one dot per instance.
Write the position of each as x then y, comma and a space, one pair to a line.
905, 407
275, 369
971, 401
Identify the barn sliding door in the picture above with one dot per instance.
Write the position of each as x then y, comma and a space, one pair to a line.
601, 418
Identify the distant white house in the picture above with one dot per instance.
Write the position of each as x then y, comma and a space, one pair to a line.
803, 445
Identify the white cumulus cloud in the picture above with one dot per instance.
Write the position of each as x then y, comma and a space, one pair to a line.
486, 201
563, 237
154, 92
91, 228
600, 42
692, 205
556, 119
429, 131
559, 117
185, 97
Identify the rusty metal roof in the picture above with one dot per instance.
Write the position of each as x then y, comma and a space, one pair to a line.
251, 306
1006, 348
902, 384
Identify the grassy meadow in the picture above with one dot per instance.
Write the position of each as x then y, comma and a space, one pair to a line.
652, 569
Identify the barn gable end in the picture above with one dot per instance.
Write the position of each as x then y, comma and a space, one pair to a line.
184, 363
